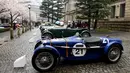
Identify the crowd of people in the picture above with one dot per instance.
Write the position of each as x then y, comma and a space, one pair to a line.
78, 24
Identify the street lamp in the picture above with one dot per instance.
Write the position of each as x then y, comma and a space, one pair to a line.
29, 7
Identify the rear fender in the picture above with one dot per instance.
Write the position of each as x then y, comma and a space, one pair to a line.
107, 47
49, 48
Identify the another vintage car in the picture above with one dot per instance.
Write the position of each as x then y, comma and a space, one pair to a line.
47, 26
50, 52
61, 32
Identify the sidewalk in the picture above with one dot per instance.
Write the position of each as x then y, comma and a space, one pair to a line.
16, 48
5, 36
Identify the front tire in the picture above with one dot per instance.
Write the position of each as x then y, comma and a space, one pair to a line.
114, 54
44, 60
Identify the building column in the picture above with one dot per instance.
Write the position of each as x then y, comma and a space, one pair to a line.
127, 10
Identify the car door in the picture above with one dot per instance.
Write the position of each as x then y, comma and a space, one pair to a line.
70, 32
58, 32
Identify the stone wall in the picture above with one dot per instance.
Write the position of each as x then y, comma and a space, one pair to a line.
115, 25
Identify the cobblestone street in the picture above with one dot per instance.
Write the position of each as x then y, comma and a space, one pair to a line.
14, 49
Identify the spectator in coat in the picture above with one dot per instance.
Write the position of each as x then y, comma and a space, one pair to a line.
69, 24
79, 24
86, 25
73, 24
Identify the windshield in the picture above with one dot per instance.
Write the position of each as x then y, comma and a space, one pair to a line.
49, 24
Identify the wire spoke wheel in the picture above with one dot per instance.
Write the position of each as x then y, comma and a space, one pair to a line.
44, 60
85, 35
114, 54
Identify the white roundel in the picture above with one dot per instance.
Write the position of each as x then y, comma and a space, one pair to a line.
79, 50
105, 40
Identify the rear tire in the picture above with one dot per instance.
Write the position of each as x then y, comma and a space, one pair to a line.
114, 54
85, 34
42, 58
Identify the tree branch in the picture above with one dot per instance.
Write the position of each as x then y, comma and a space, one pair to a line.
16, 16
3, 10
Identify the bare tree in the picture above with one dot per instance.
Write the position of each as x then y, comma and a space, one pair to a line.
3, 6
15, 10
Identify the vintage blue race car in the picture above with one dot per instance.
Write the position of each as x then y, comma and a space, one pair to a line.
50, 52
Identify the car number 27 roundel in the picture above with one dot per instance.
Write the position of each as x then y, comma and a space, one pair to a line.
79, 50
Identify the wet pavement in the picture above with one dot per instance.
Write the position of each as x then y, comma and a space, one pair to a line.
5, 36
16, 48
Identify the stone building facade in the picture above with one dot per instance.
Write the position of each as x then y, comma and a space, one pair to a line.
69, 11
120, 11
127, 10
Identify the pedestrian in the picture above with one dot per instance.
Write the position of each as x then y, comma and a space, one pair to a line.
18, 29
14, 26
82, 25
73, 24
69, 24
78, 24
86, 25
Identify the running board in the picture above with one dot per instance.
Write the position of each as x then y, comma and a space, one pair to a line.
20, 62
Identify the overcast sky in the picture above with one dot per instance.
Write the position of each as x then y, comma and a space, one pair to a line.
36, 2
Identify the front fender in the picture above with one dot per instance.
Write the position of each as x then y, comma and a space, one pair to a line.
38, 41
107, 47
47, 32
49, 48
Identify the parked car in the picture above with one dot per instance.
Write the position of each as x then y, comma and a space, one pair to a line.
47, 26
49, 52
61, 32
5, 25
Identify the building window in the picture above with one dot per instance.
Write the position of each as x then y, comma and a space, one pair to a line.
122, 10
113, 11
